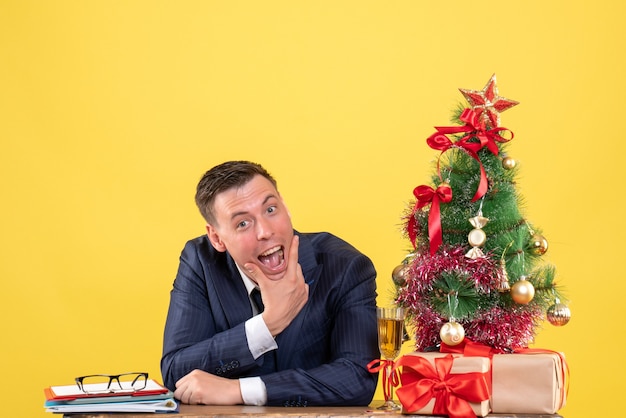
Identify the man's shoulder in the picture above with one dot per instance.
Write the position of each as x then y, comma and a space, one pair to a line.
338, 258
325, 242
201, 248
200, 242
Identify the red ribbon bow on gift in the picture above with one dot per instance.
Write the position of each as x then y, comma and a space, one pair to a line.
426, 195
422, 382
390, 375
474, 128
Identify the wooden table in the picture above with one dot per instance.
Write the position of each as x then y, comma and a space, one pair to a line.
241, 411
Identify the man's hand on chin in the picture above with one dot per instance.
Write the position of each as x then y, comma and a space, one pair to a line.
284, 298
200, 387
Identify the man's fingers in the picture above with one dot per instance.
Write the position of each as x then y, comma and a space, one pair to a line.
293, 251
254, 272
293, 256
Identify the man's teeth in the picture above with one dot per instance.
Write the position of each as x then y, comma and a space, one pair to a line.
273, 257
270, 251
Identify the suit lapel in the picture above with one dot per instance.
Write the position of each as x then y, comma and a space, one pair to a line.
232, 293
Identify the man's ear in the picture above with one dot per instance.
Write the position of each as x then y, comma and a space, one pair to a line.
215, 238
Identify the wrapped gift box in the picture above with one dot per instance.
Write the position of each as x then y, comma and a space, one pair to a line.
531, 383
424, 375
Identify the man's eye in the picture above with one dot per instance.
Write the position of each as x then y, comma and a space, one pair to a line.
271, 209
242, 224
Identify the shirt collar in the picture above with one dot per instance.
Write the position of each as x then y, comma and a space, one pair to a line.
250, 285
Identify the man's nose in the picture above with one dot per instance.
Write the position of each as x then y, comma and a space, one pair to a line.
263, 229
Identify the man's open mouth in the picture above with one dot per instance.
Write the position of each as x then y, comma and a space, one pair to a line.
273, 257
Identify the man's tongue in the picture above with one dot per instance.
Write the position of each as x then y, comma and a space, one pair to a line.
272, 260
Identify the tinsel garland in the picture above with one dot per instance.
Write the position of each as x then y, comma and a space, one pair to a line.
505, 329
499, 325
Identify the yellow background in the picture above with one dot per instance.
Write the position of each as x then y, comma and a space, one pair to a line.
110, 111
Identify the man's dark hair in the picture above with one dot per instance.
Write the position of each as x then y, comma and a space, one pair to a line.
223, 177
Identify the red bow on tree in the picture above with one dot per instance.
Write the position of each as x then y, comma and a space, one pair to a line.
473, 128
426, 195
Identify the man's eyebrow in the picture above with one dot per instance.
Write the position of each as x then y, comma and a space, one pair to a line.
243, 212
269, 196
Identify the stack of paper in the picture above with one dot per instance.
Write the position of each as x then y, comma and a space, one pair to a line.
70, 399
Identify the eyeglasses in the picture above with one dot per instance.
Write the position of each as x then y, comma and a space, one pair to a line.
108, 383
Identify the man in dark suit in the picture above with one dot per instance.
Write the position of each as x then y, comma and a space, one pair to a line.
306, 342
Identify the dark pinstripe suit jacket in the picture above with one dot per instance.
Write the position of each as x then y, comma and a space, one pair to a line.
321, 357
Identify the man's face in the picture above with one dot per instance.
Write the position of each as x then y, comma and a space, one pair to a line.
254, 226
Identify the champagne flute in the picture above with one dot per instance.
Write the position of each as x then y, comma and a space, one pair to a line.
390, 338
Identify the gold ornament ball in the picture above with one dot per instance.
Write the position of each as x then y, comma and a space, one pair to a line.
523, 291
558, 314
476, 237
452, 333
508, 163
538, 244
398, 275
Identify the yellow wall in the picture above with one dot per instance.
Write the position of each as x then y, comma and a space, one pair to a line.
111, 110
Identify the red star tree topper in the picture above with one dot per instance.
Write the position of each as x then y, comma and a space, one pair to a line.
487, 103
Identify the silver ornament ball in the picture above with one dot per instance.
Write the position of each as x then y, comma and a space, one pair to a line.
399, 273
558, 314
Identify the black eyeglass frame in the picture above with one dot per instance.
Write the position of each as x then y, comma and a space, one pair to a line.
114, 378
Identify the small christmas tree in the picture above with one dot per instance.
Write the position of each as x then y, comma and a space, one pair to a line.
476, 271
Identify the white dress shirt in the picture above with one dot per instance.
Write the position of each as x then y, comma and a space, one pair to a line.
260, 341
